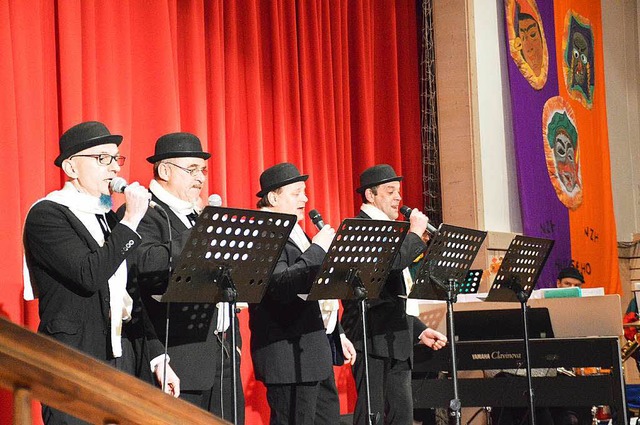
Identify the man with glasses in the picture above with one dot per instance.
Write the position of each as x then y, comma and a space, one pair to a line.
77, 251
198, 339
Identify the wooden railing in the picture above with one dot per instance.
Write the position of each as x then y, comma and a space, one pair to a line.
37, 367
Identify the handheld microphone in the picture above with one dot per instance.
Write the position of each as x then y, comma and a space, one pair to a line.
316, 219
215, 200
406, 212
118, 185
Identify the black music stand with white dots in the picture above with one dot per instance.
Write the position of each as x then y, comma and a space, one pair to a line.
229, 257
516, 278
356, 268
443, 276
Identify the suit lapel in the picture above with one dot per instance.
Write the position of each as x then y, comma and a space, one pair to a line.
82, 229
104, 294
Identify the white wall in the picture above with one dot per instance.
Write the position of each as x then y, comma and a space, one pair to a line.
621, 45
501, 203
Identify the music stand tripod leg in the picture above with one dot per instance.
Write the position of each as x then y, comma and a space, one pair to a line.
525, 324
372, 417
361, 294
229, 295
454, 403
233, 318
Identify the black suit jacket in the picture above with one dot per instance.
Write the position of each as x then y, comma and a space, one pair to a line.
391, 332
71, 272
288, 340
194, 346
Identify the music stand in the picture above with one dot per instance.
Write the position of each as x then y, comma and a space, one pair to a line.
448, 259
516, 278
356, 267
229, 257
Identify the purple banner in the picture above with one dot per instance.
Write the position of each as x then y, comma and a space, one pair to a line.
543, 215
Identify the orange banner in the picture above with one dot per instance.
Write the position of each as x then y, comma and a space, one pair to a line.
580, 67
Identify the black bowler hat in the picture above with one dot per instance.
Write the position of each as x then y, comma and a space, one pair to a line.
378, 174
178, 145
84, 136
279, 175
571, 272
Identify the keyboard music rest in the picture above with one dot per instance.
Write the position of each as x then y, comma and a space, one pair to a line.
511, 391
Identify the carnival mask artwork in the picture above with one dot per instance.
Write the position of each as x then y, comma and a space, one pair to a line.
527, 43
560, 136
564, 154
578, 66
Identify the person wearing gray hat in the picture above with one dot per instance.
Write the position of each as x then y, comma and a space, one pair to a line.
201, 359
392, 332
77, 253
290, 350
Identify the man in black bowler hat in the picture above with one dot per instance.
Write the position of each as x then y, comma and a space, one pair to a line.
179, 174
392, 333
289, 347
77, 252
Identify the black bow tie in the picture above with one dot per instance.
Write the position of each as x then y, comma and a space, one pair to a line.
192, 218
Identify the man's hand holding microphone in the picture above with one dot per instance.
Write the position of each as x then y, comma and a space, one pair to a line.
137, 199
325, 234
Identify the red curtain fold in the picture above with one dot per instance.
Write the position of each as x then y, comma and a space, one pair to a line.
329, 86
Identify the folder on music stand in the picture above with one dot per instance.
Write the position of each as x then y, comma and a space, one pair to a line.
229, 257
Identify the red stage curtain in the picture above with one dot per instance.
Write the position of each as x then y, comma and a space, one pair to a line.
330, 86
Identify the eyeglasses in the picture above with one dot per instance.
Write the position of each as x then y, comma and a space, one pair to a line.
104, 158
192, 171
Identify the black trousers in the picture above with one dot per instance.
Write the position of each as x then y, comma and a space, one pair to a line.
328, 404
308, 403
390, 386
210, 399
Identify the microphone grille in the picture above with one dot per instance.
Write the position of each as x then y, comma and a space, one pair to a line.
118, 184
215, 200
405, 211
314, 215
